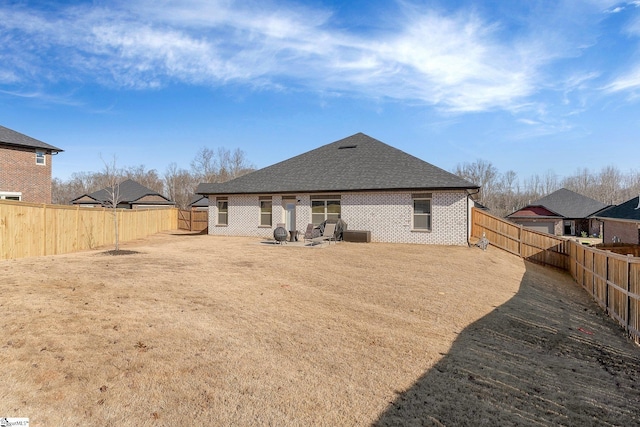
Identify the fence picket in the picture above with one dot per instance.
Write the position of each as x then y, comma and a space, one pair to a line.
612, 280
33, 230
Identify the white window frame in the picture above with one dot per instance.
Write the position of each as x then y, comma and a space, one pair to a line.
428, 215
266, 212
41, 157
223, 213
11, 195
326, 201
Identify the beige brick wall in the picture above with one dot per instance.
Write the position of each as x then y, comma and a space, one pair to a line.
558, 228
20, 173
388, 216
627, 232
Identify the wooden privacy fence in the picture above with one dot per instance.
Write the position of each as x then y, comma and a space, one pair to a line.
529, 244
193, 220
34, 229
612, 280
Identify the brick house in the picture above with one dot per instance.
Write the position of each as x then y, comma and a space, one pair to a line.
25, 167
621, 223
562, 213
368, 184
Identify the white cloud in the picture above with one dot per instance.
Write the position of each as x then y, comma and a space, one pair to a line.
529, 122
629, 81
457, 62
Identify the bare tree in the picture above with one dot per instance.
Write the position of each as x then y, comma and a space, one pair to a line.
61, 193
179, 185
148, 178
205, 165
113, 176
219, 166
482, 173
631, 185
608, 188
550, 182
581, 182
504, 198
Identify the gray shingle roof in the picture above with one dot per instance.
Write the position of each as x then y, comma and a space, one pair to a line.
11, 137
130, 191
356, 163
198, 201
626, 211
570, 204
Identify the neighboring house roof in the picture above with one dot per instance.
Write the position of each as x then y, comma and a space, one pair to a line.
11, 137
480, 206
199, 201
130, 192
627, 211
356, 163
564, 203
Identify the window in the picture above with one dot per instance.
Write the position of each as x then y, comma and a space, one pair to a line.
324, 208
10, 195
223, 211
266, 208
422, 211
40, 158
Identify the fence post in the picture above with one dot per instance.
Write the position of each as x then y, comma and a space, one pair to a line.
44, 229
606, 288
593, 273
628, 308
520, 241
77, 243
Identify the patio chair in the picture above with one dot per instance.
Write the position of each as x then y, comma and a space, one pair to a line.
310, 233
328, 234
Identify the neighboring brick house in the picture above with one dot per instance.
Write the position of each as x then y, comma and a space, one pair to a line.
368, 184
621, 223
562, 213
25, 167
131, 195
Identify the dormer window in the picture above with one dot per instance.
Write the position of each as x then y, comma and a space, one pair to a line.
40, 158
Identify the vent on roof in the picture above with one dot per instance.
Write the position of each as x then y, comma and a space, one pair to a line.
343, 147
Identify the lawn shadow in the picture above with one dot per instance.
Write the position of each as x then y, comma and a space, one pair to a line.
548, 356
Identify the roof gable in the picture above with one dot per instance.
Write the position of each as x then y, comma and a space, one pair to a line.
11, 137
84, 199
569, 204
356, 163
533, 211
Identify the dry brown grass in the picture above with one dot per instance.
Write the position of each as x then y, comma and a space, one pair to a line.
201, 330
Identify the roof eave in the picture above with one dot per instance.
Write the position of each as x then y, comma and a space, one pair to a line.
333, 190
50, 148
604, 218
528, 218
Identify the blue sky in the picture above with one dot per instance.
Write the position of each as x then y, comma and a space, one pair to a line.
531, 86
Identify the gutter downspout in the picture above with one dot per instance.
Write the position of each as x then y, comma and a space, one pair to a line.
469, 219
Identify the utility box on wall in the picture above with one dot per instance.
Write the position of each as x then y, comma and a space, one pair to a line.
360, 236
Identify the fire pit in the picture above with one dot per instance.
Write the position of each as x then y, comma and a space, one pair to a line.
280, 234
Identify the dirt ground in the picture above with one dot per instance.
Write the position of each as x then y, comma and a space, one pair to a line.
202, 330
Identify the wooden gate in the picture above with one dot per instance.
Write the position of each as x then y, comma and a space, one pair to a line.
193, 220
